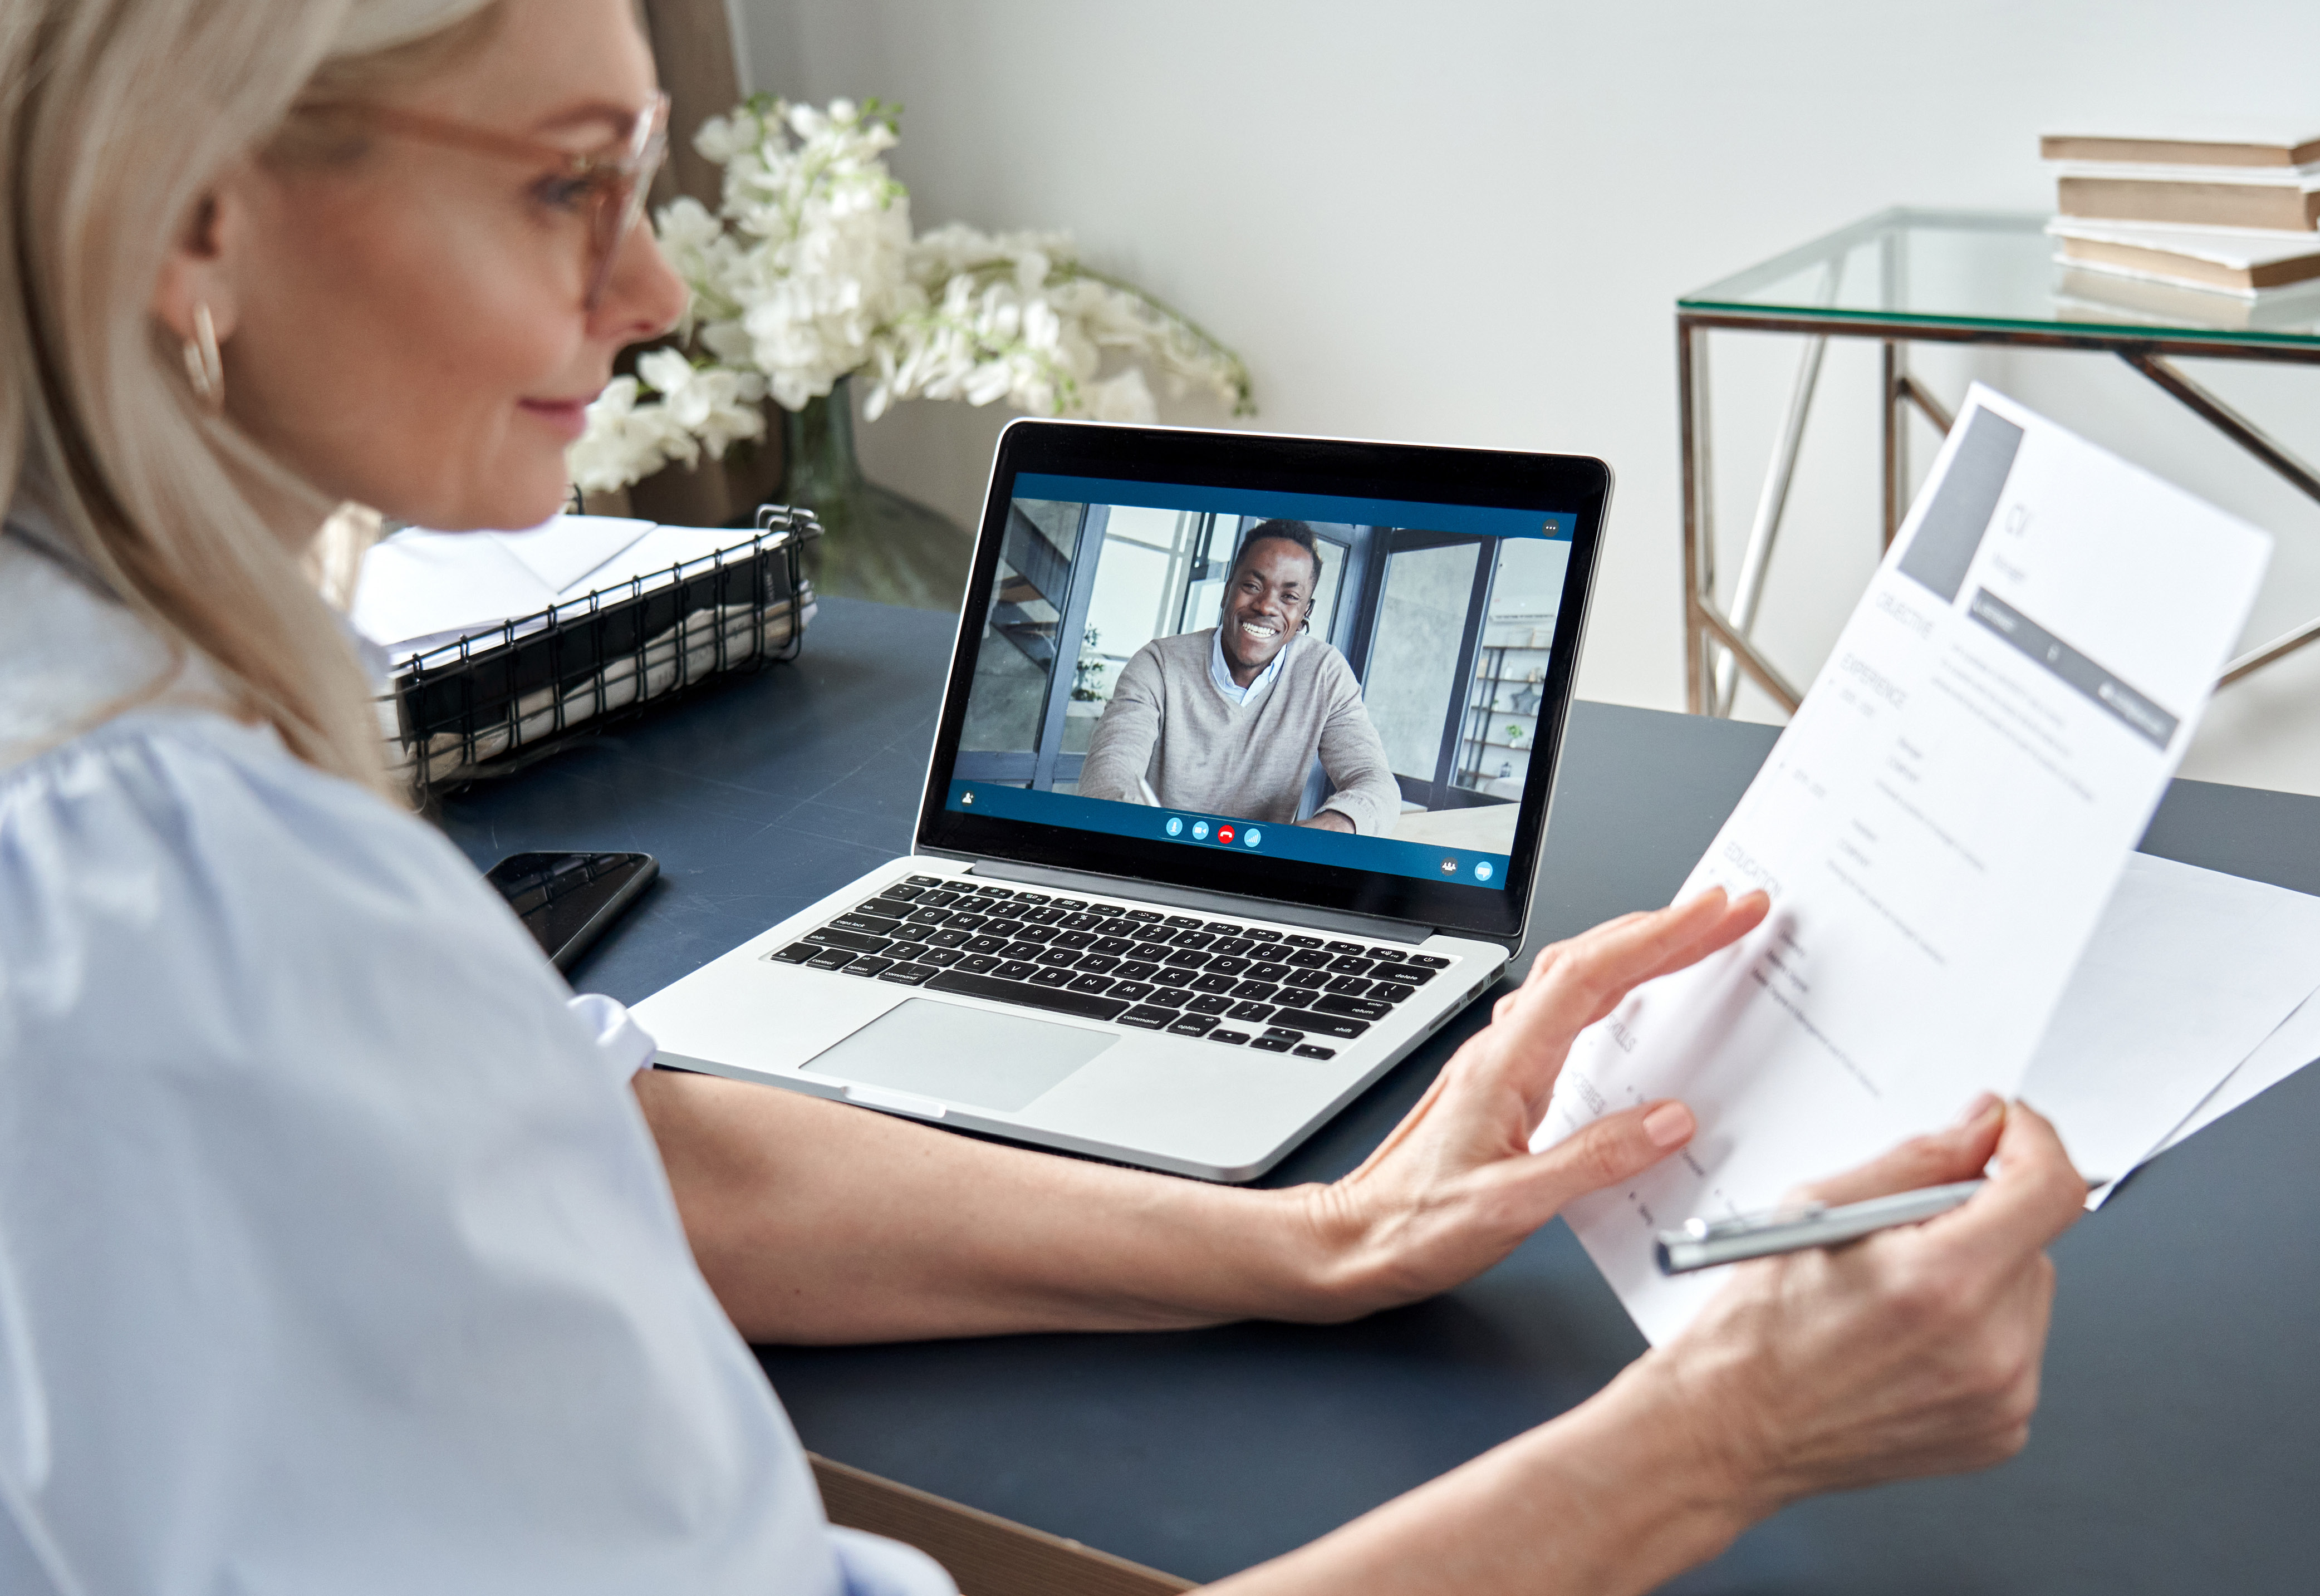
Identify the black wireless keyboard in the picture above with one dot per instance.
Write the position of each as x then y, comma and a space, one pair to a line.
1240, 985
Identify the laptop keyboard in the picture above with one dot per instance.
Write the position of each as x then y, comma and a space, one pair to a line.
1240, 985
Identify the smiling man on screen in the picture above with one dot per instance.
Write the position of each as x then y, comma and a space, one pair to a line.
1229, 720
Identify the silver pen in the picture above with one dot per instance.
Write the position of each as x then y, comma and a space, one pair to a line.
1703, 1244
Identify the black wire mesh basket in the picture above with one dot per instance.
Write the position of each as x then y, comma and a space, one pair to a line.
497, 700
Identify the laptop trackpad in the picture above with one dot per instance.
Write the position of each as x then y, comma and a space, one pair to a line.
961, 1055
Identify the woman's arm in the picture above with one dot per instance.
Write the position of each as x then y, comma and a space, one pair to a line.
1913, 1352
816, 1222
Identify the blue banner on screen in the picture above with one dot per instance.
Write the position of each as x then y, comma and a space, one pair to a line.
1481, 520
1255, 840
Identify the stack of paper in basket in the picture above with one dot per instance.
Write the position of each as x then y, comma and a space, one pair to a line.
2237, 216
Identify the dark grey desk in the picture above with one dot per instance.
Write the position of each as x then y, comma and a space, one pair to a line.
2176, 1448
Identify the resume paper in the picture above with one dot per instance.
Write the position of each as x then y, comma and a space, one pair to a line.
1939, 828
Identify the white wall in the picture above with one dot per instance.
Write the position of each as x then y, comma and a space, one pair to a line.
1467, 224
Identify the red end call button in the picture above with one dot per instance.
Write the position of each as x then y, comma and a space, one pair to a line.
1224, 833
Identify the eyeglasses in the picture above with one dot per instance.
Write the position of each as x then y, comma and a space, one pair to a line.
611, 186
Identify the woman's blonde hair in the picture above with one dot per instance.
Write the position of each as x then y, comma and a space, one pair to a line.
115, 117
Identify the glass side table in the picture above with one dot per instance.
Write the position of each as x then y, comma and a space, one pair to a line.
1950, 276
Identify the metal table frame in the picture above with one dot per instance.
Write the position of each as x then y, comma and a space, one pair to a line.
1717, 646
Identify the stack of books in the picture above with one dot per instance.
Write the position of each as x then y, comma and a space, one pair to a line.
2235, 216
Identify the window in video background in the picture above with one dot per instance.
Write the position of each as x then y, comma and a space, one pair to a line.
1448, 634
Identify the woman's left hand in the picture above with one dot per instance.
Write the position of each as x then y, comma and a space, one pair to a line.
1455, 1187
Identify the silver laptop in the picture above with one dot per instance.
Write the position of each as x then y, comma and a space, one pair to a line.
1237, 797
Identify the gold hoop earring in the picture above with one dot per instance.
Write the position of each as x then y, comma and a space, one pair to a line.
205, 367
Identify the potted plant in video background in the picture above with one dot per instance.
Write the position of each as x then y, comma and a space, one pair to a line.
808, 277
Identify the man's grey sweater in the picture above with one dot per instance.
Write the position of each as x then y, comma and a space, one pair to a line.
1168, 724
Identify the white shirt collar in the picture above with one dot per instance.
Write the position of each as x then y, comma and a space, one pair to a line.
1220, 673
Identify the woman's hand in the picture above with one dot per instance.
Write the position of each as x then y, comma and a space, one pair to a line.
1455, 1187
1913, 1351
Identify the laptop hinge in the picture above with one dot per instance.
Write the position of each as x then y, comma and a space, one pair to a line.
1377, 927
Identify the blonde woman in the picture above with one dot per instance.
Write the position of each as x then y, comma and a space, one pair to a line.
340, 1248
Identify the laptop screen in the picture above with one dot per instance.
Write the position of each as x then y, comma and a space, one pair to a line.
1235, 678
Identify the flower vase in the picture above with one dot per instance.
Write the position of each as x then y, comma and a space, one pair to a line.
874, 544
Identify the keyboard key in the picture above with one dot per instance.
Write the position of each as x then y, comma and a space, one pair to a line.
1264, 971
1022, 950
931, 917
1210, 1004
1348, 986
1115, 946
1192, 1025
796, 953
1389, 992
983, 944
996, 891
1143, 916
1344, 947
1137, 970
1238, 1039
1255, 1012
1233, 947
1311, 980
1260, 933
1068, 905
910, 933
1270, 1043
830, 958
1135, 991
1040, 934
1253, 992
1091, 983
1064, 957
1308, 1050
941, 900
924, 880
1162, 997
886, 908
1084, 1005
910, 974
1054, 977
1408, 975
899, 893
948, 937
1302, 941
1030, 897
1103, 909
1193, 940
1350, 966
1072, 939
1015, 969
1147, 1018
1116, 927
1392, 956
853, 941
1176, 977
1215, 984
1227, 965
1282, 1034
1097, 963
1151, 952
1182, 922
1353, 1007
940, 957
1081, 922
1009, 931
1187, 958
1425, 961
961, 921
1222, 927
1324, 1025
978, 964
1309, 958
870, 966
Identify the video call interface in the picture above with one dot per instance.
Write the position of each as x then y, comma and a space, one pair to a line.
1352, 682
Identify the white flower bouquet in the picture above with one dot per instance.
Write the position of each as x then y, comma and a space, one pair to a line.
808, 273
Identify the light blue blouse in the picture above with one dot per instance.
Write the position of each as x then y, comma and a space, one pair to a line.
335, 1253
